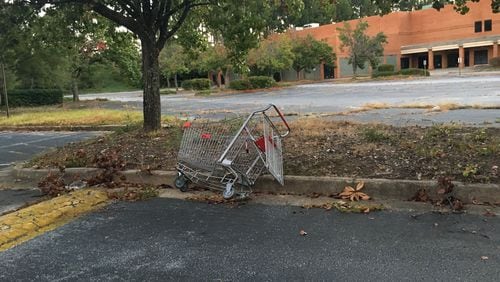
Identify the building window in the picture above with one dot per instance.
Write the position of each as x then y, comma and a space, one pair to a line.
487, 25
478, 26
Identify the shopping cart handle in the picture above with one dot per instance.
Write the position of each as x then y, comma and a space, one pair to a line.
282, 118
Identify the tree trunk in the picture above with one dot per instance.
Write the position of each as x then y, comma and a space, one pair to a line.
6, 96
298, 75
226, 79
74, 90
176, 84
168, 81
151, 79
354, 68
219, 79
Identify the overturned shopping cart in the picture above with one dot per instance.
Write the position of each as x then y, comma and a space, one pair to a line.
230, 155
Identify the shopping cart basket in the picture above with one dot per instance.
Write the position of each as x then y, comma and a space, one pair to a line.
230, 155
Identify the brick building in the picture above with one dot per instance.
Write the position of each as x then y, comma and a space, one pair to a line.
439, 38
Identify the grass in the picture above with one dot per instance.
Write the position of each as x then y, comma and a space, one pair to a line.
66, 117
168, 91
109, 88
439, 107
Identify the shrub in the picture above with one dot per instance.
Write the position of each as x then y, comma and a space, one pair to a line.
495, 62
414, 72
261, 81
203, 92
383, 73
35, 97
385, 68
196, 84
167, 92
240, 84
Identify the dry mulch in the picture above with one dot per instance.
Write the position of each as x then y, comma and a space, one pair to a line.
317, 147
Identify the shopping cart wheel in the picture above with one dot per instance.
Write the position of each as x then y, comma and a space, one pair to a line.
181, 183
229, 191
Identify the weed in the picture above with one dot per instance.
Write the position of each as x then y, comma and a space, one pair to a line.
440, 131
374, 135
470, 170
480, 135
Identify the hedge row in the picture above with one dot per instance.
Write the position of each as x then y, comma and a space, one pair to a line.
196, 84
35, 97
252, 82
420, 72
385, 68
495, 62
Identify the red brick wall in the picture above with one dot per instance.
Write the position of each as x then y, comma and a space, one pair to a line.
417, 27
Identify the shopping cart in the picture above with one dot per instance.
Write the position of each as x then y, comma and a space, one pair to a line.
230, 155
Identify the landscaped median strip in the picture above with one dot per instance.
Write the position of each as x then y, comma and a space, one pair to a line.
27, 223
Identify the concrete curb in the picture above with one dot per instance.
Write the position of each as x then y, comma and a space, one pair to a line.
296, 185
25, 224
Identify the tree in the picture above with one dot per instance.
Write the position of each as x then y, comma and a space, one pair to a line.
344, 11
241, 24
272, 55
13, 25
214, 59
153, 22
173, 61
362, 48
316, 11
310, 52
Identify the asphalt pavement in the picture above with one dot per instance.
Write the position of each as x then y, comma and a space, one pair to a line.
175, 240
333, 97
22, 146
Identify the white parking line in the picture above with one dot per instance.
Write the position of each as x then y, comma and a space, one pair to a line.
33, 141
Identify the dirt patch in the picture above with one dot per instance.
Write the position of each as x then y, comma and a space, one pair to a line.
318, 147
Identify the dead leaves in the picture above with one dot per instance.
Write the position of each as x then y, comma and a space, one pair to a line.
354, 194
421, 196
217, 199
346, 207
53, 185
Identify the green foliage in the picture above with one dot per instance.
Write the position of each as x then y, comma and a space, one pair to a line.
35, 97
412, 71
272, 55
376, 74
240, 84
470, 170
173, 60
385, 67
374, 135
252, 82
261, 81
317, 11
362, 48
167, 92
213, 58
196, 84
206, 92
240, 24
310, 52
495, 62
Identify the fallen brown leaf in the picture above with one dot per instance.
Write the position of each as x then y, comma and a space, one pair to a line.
354, 194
